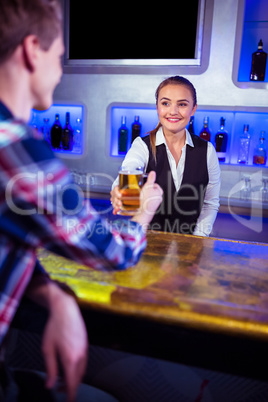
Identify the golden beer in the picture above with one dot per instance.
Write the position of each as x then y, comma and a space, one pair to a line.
130, 186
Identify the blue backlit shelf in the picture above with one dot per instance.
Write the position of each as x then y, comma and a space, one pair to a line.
147, 113
253, 32
77, 111
252, 25
235, 119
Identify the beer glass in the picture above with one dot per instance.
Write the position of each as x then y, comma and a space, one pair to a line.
130, 184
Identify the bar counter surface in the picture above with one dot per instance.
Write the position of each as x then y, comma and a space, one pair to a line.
206, 295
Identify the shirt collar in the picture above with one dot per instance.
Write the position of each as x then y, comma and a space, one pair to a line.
160, 138
5, 113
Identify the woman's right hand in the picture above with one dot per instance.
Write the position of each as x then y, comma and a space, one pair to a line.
116, 199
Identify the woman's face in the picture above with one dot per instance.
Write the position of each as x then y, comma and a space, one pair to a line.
175, 106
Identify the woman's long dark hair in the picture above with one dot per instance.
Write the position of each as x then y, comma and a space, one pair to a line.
176, 80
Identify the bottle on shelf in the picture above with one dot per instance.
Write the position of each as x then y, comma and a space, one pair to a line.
135, 129
56, 133
67, 135
260, 154
205, 133
258, 64
78, 135
122, 137
191, 125
244, 146
221, 139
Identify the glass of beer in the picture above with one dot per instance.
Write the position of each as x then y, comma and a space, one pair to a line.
130, 184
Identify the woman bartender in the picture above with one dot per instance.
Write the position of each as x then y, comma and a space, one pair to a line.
186, 166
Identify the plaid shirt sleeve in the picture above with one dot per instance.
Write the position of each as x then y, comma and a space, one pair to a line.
35, 213
41, 207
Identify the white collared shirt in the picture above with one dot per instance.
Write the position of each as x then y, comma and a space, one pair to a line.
138, 155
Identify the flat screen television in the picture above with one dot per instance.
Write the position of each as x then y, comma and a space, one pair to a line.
121, 36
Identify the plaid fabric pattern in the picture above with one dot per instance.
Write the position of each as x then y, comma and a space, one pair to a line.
41, 207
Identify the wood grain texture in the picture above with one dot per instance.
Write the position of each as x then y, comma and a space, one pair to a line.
187, 281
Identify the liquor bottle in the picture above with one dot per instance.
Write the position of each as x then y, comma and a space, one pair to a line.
56, 133
67, 135
221, 139
136, 129
191, 125
205, 133
122, 137
78, 135
258, 64
260, 154
244, 146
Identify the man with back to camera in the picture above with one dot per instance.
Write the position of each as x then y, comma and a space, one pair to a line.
31, 48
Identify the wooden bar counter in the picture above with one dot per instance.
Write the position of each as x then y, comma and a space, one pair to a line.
190, 299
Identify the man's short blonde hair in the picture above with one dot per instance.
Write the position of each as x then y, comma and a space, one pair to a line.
20, 18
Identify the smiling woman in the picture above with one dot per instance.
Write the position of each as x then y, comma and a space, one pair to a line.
186, 166
185, 92
174, 109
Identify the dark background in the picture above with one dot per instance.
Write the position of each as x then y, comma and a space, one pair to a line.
109, 31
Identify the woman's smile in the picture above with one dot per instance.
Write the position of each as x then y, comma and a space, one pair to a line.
173, 119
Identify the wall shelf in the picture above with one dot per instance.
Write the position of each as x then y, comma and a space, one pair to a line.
252, 25
236, 118
37, 120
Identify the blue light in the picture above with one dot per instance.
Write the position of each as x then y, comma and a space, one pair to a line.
255, 28
76, 112
235, 121
148, 120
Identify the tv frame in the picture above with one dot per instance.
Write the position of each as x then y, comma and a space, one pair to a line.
196, 65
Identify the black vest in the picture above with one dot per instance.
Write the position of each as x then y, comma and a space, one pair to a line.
179, 210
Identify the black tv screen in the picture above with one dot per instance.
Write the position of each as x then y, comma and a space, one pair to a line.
133, 31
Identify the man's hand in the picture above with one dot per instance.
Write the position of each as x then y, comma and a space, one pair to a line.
150, 199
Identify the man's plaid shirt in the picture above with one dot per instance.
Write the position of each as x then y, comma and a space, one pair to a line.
33, 214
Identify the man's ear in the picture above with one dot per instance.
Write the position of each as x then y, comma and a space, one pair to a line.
31, 48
